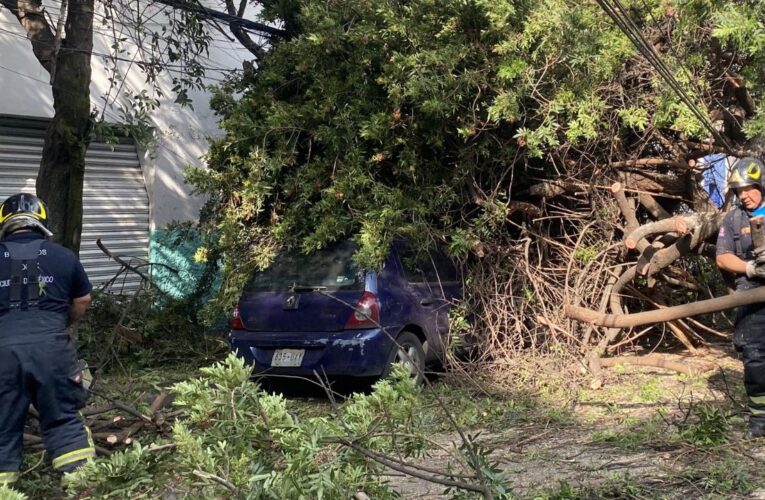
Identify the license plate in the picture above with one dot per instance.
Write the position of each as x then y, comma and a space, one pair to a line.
287, 357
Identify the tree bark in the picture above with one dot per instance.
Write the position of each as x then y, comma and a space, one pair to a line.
62, 169
32, 18
754, 296
241, 34
650, 204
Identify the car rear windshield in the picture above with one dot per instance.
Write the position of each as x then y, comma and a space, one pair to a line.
332, 268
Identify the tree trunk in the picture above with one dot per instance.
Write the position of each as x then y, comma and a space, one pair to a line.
62, 169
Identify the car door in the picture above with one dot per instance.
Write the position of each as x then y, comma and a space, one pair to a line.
420, 297
432, 285
445, 286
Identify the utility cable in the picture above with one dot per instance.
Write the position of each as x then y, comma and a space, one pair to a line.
176, 67
635, 36
677, 58
666, 74
649, 48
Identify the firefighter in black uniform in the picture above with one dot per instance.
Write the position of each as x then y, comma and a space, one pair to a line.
735, 253
43, 290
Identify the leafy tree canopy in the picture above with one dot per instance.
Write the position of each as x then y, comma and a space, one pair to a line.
428, 119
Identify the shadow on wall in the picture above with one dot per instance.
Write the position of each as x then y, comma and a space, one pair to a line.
24, 82
178, 271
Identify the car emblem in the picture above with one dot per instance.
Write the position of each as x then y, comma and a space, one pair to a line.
291, 302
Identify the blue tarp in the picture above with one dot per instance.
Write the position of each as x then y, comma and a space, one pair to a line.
715, 177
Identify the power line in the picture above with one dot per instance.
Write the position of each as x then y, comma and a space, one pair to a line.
47, 83
207, 13
633, 33
124, 59
115, 117
677, 59
221, 16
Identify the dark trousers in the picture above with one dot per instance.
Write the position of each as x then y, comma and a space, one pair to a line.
45, 374
749, 339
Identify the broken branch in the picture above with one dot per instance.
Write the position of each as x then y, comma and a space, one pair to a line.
585, 315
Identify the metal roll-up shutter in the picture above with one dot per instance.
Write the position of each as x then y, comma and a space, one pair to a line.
115, 201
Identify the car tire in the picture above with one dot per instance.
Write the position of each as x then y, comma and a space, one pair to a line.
411, 345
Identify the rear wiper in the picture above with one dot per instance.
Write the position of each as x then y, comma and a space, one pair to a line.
307, 288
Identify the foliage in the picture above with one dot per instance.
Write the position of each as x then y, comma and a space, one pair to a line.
725, 477
234, 438
146, 328
705, 425
8, 493
172, 55
428, 120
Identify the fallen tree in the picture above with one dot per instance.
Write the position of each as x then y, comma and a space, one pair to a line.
532, 140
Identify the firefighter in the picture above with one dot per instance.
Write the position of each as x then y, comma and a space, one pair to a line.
735, 253
43, 290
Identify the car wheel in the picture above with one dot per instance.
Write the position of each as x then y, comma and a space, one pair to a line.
410, 353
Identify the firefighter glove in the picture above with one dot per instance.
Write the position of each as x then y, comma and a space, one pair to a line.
755, 269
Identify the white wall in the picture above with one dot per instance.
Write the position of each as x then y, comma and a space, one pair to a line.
180, 132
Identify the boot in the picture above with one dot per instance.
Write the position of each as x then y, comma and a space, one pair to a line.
756, 429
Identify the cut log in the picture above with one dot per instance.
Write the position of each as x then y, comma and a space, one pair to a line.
705, 224
653, 207
655, 184
553, 188
585, 315
649, 162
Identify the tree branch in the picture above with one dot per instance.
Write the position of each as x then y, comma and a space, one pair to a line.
648, 162
265, 29
410, 471
753, 296
657, 361
650, 204
239, 33
702, 222
31, 16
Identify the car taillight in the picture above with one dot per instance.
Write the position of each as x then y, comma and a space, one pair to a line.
366, 313
236, 319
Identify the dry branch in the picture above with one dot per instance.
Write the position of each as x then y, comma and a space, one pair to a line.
705, 149
654, 183
658, 362
554, 188
637, 182
648, 162
156, 405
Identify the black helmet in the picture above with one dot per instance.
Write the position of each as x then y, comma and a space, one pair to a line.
747, 171
23, 211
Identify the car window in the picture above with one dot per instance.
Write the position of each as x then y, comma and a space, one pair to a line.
414, 264
332, 267
444, 266
426, 267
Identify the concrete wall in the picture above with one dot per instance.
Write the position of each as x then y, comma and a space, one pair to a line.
181, 133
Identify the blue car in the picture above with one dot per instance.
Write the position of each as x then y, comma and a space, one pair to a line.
323, 313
